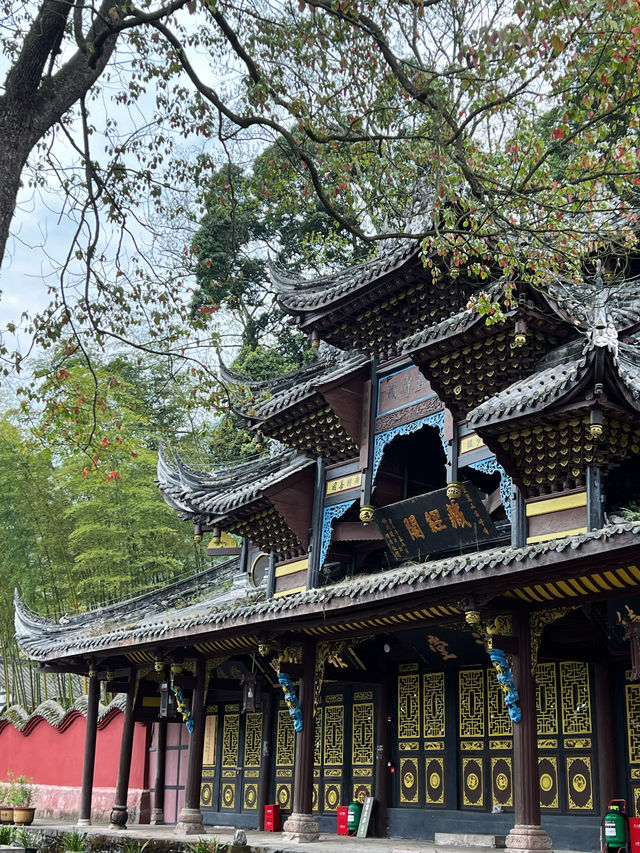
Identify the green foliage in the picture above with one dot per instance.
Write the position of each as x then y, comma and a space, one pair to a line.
229, 441
631, 512
7, 834
81, 528
73, 842
251, 213
20, 793
26, 839
203, 846
132, 845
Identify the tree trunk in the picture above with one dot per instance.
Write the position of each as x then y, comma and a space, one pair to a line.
34, 99
13, 157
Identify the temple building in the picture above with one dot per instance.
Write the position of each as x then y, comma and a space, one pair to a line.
436, 602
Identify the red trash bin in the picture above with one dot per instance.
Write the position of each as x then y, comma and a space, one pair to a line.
634, 834
272, 818
343, 821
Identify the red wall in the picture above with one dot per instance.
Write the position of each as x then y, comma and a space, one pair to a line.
53, 756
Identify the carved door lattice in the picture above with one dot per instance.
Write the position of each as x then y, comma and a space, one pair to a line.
233, 740
566, 742
344, 752
284, 755
421, 731
362, 739
486, 742
632, 709
230, 755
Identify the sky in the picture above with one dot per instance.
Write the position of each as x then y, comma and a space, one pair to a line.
42, 229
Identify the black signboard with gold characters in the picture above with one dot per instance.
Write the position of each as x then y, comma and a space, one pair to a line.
434, 523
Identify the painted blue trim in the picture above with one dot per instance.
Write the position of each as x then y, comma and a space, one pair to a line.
293, 704
382, 439
329, 514
489, 466
507, 683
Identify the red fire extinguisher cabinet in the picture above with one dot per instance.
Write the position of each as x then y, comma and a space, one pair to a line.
272, 818
343, 820
634, 834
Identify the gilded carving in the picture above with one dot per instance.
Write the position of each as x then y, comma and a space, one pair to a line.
409, 780
576, 700
333, 735
472, 745
501, 781
499, 722
285, 740
253, 740
473, 781
408, 706
632, 697
230, 730
539, 619
471, 698
408, 414
547, 699
434, 781
548, 776
501, 744
362, 733
433, 710
579, 783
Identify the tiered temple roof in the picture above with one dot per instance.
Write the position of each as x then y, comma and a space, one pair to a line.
579, 408
250, 499
371, 307
431, 590
303, 408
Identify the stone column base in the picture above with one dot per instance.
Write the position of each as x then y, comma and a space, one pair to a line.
118, 817
301, 827
83, 821
189, 822
528, 839
157, 817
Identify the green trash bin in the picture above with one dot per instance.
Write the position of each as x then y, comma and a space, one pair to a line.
353, 816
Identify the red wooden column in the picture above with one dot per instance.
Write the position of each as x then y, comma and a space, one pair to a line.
119, 815
527, 836
190, 817
382, 783
157, 815
91, 734
301, 825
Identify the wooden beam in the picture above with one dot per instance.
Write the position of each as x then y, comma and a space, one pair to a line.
294, 502
346, 403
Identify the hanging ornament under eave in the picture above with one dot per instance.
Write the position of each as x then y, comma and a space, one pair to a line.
631, 625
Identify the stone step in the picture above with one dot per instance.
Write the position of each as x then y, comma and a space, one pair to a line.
469, 839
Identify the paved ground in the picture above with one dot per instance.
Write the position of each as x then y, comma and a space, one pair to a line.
273, 842
268, 842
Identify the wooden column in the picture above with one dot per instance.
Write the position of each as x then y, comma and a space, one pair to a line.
527, 835
518, 519
157, 815
118, 815
91, 733
190, 817
301, 825
382, 780
313, 570
607, 770
271, 575
266, 760
595, 497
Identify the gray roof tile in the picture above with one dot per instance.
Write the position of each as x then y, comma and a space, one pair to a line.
44, 640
